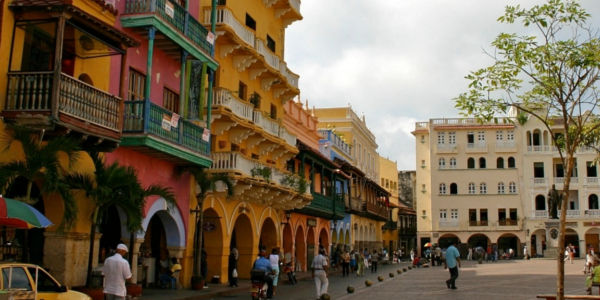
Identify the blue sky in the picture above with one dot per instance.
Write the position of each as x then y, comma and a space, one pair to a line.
397, 62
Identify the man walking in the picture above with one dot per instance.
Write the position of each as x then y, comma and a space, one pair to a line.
319, 273
452, 263
116, 271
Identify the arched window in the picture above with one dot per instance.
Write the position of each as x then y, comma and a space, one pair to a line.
452, 163
511, 162
483, 188
512, 188
453, 189
540, 202
471, 163
500, 163
593, 201
442, 189
482, 163
500, 187
442, 163
471, 188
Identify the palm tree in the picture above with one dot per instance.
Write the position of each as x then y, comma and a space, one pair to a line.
115, 185
40, 165
205, 183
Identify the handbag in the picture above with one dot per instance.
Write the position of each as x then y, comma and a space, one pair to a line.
234, 273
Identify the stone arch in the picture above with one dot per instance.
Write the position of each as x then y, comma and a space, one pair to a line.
213, 236
572, 237
268, 235
509, 241
324, 238
537, 242
171, 219
300, 253
288, 239
242, 237
478, 240
446, 240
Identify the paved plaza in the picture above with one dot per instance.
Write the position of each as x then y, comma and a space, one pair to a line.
514, 279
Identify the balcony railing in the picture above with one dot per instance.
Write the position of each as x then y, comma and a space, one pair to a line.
478, 223
505, 144
539, 181
448, 222
540, 214
149, 118
173, 14
32, 92
226, 17
561, 180
592, 212
508, 222
591, 180
270, 57
240, 108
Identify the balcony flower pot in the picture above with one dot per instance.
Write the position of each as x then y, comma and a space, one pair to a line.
197, 282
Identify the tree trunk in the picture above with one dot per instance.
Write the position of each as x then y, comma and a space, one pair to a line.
560, 276
88, 279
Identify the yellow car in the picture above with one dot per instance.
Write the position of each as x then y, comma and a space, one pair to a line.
31, 282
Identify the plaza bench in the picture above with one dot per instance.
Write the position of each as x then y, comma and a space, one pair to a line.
583, 297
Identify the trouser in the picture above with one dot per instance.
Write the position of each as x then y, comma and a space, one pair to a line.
453, 276
321, 282
113, 297
373, 266
345, 269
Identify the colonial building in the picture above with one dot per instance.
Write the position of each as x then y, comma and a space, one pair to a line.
388, 179
487, 184
407, 222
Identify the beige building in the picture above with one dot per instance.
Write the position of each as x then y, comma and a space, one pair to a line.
487, 185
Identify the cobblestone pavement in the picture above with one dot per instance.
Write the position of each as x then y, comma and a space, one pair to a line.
515, 279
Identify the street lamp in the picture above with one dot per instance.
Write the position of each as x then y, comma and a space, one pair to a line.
288, 215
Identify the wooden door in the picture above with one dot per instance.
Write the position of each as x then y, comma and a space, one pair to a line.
592, 240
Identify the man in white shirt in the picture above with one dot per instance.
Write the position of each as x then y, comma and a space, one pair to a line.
319, 273
116, 271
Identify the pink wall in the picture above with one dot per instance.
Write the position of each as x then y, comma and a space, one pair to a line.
151, 170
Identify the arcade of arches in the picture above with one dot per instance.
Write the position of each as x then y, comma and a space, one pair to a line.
503, 241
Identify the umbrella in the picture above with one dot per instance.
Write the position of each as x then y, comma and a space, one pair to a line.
17, 214
427, 245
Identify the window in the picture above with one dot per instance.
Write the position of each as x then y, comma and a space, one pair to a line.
472, 215
45, 283
470, 138
19, 281
453, 189
500, 187
501, 214
441, 137
593, 201
242, 90
270, 43
513, 214
442, 163
443, 214
452, 138
481, 136
559, 170
500, 163
250, 22
471, 188
273, 114
510, 135
137, 84
442, 189
540, 202
170, 100
499, 135
453, 163
454, 213
422, 163
482, 163
222, 2
483, 216
512, 188
538, 169
511, 162
591, 169
471, 163
483, 188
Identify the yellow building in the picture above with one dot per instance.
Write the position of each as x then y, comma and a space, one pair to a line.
249, 141
388, 179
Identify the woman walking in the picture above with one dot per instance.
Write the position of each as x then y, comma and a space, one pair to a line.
274, 260
233, 273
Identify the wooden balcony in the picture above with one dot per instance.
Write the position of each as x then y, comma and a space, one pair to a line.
163, 134
329, 207
377, 210
39, 100
175, 24
478, 223
508, 222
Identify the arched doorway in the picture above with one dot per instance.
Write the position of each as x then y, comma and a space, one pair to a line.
110, 228
288, 239
591, 239
538, 242
155, 250
323, 239
478, 240
268, 236
334, 238
242, 238
310, 246
572, 238
447, 239
509, 241
213, 243
300, 254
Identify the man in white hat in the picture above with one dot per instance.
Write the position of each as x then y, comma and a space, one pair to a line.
116, 271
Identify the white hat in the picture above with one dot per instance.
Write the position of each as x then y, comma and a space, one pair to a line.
122, 247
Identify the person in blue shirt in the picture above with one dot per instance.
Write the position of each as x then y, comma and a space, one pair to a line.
452, 263
263, 264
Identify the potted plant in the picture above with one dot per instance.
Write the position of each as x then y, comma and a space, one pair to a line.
255, 99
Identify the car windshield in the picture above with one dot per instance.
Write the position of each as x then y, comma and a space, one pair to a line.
45, 282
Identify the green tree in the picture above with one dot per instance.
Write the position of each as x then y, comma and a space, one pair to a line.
205, 182
115, 185
551, 75
40, 165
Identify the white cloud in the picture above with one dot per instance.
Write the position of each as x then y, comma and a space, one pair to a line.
398, 62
